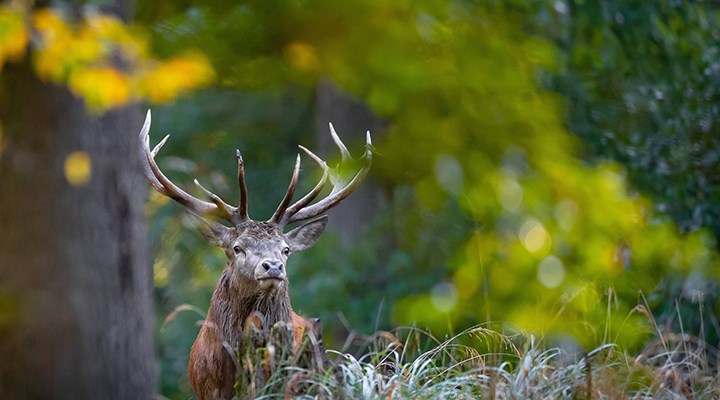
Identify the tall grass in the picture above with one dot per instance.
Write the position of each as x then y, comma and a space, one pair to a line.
482, 363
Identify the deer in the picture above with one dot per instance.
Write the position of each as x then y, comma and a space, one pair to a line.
253, 286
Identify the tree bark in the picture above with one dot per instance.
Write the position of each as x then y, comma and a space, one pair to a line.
76, 317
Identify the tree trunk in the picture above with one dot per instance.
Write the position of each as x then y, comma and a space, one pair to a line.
76, 317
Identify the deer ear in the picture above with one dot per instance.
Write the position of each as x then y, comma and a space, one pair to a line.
215, 233
307, 234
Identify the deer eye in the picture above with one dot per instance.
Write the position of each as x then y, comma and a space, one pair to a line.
286, 250
237, 249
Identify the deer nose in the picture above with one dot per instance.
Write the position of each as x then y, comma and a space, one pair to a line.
273, 268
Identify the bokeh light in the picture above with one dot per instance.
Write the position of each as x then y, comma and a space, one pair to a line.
78, 168
551, 272
444, 296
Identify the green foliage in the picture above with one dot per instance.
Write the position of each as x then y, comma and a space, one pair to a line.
642, 80
492, 216
396, 256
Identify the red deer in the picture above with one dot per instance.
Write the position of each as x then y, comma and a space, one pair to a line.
254, 281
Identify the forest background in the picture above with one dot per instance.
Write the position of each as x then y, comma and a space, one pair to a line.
544, 166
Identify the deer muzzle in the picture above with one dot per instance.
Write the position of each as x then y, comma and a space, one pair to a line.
273, 269
271, 274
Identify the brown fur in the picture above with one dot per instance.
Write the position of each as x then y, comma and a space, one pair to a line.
238, 300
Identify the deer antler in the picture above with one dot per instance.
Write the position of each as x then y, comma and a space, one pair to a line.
343, 184
243, 207
216, 208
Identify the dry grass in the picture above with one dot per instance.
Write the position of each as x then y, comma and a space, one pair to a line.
481, 363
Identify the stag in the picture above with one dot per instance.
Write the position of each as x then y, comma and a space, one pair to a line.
253, 285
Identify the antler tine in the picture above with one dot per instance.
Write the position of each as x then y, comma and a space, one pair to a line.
340, 190
308, 198
158, 146
343, 150
223, 207
280, 212
163, 185
144, 140
242, 210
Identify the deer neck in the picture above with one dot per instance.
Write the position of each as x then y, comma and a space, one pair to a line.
230, 308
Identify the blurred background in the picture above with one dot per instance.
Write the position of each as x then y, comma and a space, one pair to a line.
546, 166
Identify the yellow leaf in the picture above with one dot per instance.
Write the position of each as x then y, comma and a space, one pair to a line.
103, 87
82, 55
48, 21
13, 35
86, 47
169, 78
54, 45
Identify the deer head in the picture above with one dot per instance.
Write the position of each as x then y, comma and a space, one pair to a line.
257, 251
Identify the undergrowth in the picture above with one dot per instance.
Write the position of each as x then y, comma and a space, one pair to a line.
482, 363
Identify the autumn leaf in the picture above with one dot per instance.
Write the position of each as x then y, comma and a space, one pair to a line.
13, 35
102, 88
101, 59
